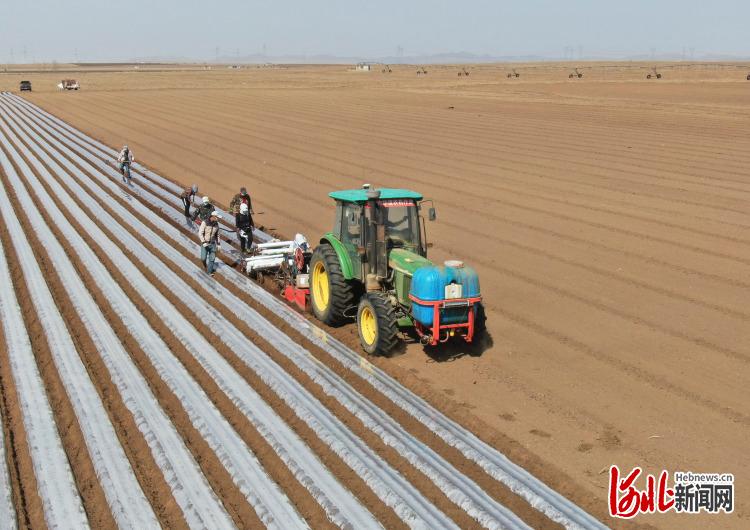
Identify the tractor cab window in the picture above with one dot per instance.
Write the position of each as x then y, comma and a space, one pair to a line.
402, 224
351, 229
337, 221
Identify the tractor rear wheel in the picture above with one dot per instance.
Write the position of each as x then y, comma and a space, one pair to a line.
376, 324
480, 321
330, 294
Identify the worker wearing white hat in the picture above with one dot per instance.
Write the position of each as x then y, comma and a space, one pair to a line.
208, 234
244, 227
204, 210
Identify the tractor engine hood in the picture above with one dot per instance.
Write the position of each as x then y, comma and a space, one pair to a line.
406, 261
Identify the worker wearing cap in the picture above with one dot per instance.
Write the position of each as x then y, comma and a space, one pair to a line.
241, 198
188, 198
125, 158
244, 227
204, 210
208, 234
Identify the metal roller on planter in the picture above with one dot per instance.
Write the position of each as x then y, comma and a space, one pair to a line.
287, 263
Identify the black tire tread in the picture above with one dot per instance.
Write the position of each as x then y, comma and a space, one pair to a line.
342, 292
387, 323
480, 321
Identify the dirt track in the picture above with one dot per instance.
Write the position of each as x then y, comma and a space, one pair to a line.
607, 219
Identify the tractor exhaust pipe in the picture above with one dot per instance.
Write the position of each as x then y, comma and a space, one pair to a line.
375, 238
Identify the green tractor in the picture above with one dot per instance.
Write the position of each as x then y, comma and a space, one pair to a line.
374, 262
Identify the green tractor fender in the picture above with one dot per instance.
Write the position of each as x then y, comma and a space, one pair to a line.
346, 263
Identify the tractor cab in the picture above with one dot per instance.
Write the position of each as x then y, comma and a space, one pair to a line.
369, 224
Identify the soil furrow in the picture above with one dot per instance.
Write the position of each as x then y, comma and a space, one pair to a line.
25, 496
265, 453
220, 480
466, 467
147, 472
465, 148
332, 461
591, 224
93, 497
227, 140
607, 221
703, 342
389, 454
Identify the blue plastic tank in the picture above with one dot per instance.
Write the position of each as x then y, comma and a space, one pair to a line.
429, 283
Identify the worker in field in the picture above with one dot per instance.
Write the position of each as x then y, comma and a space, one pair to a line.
208, 234
203, 212
125, 158
188, 199
241, 198
244, 227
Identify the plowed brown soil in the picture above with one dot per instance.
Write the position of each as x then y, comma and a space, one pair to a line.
607, 218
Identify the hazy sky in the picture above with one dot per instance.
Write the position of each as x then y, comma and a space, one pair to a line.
107, 30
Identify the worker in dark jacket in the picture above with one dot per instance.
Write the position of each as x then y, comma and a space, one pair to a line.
188, 199
241, 198
245, 227
203, 212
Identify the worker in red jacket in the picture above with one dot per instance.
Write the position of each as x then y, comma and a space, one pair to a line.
241, 198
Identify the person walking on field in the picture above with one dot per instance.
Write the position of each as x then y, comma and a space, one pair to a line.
188, 198
125, 158
208, 234
241, 198
204, 211
245, 228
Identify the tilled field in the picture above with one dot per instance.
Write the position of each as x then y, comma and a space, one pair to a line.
607, 218
137, 391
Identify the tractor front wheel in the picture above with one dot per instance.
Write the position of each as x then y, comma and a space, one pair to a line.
330, 294
376, 323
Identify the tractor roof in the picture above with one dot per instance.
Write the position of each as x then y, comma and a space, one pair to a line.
360, 195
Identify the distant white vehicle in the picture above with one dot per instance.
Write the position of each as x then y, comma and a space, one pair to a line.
68, 84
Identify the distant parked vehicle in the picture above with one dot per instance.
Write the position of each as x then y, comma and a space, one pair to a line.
68, 84
654, 73
25, 86
575, 73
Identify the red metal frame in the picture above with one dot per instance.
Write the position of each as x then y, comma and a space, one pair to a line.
297, 295
437, 305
